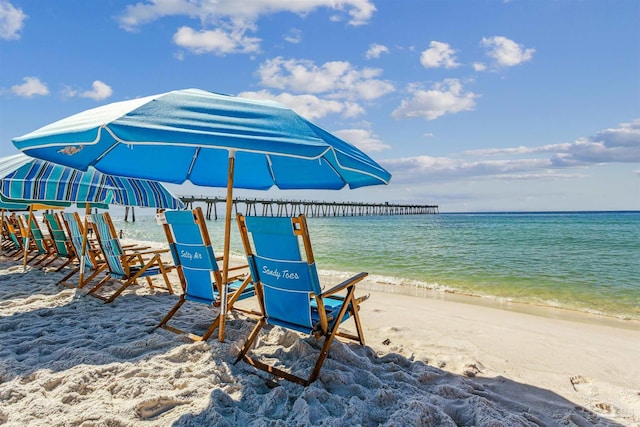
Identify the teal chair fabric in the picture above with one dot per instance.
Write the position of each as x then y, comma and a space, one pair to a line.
57, 234
59, 239
38, 237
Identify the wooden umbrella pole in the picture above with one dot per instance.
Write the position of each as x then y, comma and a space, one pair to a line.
227, 246
87, 211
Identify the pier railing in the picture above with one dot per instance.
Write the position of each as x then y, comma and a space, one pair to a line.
310, 208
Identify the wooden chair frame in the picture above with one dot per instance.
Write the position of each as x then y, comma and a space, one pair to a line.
323, 327
238, 276
34, 238
132, 265
60, 240
93, 261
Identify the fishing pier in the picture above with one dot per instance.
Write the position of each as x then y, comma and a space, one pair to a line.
271, 207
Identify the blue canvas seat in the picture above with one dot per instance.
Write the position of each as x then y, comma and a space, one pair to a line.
284, 272
198, 270
128, 265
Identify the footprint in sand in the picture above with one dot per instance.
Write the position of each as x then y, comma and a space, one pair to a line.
582, 384
604, 407
153, 407
578, 379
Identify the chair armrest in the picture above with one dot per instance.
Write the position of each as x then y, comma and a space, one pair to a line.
347, 283
152, 252
134, 248
238, 267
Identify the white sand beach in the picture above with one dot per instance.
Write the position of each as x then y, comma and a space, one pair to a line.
67, 359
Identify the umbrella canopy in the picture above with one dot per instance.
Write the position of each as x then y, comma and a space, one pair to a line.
25, 180
274, 145
189, 135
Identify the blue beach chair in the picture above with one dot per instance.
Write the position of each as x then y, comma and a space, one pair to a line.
289, 290
93, 264
198, 270
126, 266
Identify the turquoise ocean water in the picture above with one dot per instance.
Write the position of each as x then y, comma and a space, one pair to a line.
587, 261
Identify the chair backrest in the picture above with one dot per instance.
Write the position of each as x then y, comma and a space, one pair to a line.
76, 230
13, 234
57, 233
274, 248
31, 231
193, 254
110, 245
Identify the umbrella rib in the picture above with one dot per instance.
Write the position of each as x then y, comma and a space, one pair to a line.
193, 162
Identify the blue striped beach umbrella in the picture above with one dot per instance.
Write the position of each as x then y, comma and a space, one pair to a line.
25, 181
208, 139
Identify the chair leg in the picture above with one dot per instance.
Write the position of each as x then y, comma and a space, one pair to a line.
208, 332
124, 286
247, 345
88, 279
63, 265
63, 281
164, 324
169, 315
163, 270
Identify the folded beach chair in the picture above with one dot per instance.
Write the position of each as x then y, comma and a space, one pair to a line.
284, 272
61, 244
93, 264
128, 266
198, 270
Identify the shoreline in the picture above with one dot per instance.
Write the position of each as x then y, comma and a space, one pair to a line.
541, 310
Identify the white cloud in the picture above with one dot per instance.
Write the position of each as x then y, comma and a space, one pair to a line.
375, 50
216, 41
310, 107
506, 52
226, 24
364, 139
479, 66
446, 97
614, 145
620, 145
294, 36
360, 11
339, 79
32, 86
439, 55
11, 21
99, 91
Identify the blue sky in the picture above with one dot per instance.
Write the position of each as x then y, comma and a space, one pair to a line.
471, 105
